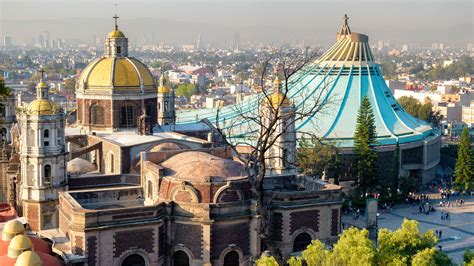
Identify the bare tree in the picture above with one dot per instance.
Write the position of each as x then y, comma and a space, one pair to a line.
258, 123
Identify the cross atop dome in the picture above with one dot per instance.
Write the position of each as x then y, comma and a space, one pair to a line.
345, 30
115, 18
42, 71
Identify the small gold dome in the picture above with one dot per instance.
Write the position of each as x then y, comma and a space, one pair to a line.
116, 34
42, 84
28, 258
163, 88
18, 245
42, 107
11, 229
278, 99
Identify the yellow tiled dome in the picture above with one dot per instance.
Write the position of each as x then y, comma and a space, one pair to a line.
42, 107
11, 229
28, 258
107, 73
115, 34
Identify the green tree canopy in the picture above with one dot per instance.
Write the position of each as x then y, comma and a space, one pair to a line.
402, 244
464, 169
422, 111
186, 90
315, 158
402, 247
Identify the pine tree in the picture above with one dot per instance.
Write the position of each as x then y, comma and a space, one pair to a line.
464, 169
364, 140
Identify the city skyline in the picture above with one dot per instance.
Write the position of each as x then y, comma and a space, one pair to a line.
181, 22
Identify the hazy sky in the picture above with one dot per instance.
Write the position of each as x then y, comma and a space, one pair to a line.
181, 21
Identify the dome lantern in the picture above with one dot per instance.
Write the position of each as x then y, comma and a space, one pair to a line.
116, 44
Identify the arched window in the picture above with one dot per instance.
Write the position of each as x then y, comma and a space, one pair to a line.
3, 110
232, 259
158, 106
180, 258
47, 174
46, 137
151, 110
32, 137
111, 163
31, 175
134, 260
97, 115
127, 116
301, 242
150, 189
166, 106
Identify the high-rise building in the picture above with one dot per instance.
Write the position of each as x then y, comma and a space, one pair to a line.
7, 41
237, 41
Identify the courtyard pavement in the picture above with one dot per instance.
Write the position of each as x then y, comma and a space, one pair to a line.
457, 232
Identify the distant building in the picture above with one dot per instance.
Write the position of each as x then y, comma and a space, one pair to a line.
7, 41
449, 110
468, 114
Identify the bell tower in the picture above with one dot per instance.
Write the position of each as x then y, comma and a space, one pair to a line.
281, 156
165, 106
43, 160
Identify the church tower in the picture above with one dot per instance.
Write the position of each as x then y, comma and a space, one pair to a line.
43, 160
281, 157
166, 113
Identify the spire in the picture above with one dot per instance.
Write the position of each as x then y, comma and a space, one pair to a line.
345, 30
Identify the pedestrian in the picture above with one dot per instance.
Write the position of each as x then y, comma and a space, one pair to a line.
440, 233
437, 233
447, 216
442, 215
420, 209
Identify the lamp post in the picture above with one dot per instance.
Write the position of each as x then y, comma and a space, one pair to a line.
377, 229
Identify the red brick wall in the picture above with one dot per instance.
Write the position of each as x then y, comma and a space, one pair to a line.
222, 235
277, 226
91, 250
84, 107
304, 219
183, 196
141, 238
32, 216
189, 235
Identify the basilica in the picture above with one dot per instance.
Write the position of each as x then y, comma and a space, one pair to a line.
125, 185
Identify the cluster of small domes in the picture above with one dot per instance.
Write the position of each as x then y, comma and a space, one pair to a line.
19, 249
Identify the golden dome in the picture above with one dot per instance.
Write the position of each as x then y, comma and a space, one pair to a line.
278, 99
116, 34
163, 88
120, 74
11, 229
18, 245
42, 107
28, 258
42, 84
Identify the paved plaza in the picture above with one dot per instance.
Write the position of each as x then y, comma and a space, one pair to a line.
457, 232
